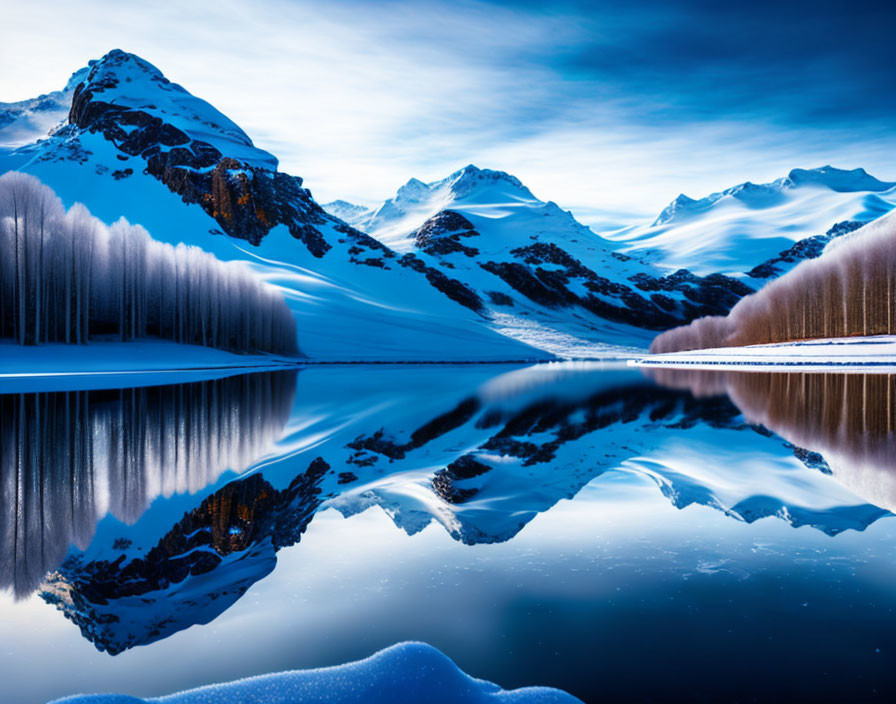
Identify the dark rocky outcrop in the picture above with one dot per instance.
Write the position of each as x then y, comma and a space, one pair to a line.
464, 467
443, 232
246, 201
454, 289
808, 248
438, 426
612, 300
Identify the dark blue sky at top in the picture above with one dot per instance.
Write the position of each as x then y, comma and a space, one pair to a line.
611, 106
816, 62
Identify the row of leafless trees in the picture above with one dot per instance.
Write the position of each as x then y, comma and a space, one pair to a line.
849, 419
66, 277
847, 291
69, 458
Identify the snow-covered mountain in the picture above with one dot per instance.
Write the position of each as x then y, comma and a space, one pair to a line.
537, 272
136, 145
471, 267
349, 212
736, 229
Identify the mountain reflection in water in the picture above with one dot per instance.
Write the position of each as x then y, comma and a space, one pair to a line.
847, 419
69, 458
479, 452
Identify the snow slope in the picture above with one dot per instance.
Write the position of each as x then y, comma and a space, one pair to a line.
734, 230
406, 673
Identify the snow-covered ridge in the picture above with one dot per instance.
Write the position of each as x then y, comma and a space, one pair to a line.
764, 195
349, 212
416, 201
736, 229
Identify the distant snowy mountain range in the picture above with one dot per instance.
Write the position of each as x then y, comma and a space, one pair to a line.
737, 229
471, 267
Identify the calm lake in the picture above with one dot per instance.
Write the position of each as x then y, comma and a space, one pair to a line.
708, 536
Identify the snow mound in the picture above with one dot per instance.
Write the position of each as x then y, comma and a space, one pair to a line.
406, 672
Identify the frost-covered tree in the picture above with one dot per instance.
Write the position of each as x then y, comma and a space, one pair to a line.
66, 277
847, 291
69, 458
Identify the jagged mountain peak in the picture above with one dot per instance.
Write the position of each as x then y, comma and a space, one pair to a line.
417, 201
470, 178
128, 81
413, 189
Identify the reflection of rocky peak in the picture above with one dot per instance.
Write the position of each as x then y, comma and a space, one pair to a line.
198, 569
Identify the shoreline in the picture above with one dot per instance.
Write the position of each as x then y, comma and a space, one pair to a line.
875, 354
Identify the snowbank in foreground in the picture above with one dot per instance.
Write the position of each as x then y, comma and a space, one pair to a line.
876, 352
404, 673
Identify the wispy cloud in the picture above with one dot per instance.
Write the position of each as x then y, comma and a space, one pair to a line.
613, 109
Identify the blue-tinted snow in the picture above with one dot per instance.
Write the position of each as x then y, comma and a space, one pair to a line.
407, 673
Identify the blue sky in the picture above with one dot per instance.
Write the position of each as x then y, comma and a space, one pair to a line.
609, 108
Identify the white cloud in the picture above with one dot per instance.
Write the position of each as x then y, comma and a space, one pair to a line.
357, 98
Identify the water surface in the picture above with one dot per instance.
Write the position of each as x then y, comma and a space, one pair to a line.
702, 535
